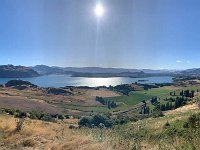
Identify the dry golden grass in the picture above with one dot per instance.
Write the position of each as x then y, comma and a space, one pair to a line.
14, 99
183, 109
53, 136
44, 136
101, 93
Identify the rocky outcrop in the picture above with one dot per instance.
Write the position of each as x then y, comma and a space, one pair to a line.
20, 84
58, 91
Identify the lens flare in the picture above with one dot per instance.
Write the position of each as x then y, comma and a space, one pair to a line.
99, 10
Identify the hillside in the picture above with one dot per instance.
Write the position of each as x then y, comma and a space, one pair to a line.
70, 117
168, 132
10, 71
43, 135
191, 72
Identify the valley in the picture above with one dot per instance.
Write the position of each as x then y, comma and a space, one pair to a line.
133, 116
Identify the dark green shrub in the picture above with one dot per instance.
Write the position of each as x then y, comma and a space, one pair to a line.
95, 121
85, 121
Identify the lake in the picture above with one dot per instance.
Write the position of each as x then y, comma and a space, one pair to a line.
66, 80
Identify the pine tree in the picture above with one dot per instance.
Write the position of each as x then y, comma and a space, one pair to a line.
147, 110
176, 105
181, 93
167, 106
144, 110
192, 93
187, 93
163, 107
170, 106
109, 105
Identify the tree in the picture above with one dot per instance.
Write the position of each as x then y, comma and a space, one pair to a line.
176, 105
187, 93
167, 106
113, 104
144, 110
109, 105
154, 100
85, 121
163, 107
147, 110
170, 106
181, 93
97, 119
192, 93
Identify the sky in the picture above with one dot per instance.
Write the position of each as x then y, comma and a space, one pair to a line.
153, 34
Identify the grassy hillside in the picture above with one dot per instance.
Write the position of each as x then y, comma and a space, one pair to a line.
161, 133
146, 134
44, 135
179, 128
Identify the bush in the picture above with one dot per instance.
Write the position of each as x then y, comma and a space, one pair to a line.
47, 117
95, 121
85, 121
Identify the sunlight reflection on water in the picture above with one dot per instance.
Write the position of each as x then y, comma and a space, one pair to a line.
66, 80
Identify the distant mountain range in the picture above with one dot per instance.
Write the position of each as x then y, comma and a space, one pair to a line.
43, 69
113, 72
10, 71
191, 72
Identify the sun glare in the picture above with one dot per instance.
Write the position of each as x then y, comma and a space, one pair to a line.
99, 10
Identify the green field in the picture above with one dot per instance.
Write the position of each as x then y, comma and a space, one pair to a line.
136, 97
125, 102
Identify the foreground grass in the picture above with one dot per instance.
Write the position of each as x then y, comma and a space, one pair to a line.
44, 135
146, 134
152, 134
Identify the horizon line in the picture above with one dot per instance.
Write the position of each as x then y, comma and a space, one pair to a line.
99, 67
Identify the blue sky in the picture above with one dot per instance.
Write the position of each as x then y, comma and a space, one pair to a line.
156, 34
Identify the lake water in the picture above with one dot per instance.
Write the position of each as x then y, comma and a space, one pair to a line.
66, 80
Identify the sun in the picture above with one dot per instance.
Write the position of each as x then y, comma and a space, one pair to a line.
99, 10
